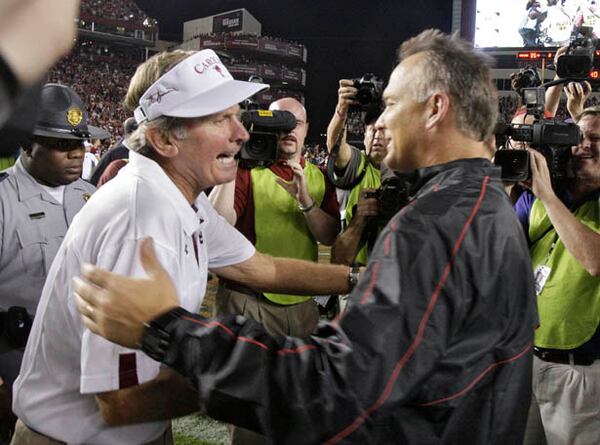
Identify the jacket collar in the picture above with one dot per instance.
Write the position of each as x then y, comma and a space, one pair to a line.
423, 179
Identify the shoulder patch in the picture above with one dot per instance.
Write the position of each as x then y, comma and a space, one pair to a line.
3, 176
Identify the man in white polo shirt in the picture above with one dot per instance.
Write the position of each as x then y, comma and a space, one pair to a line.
73, 384
76, 387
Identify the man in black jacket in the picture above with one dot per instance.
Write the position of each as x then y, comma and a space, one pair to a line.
119, 151
435, 344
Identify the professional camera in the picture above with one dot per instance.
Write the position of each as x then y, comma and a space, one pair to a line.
391, 196
264, 127
15, 325
370, 88
528, 77
579, 58
551, 138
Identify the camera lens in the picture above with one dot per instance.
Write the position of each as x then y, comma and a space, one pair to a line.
257, 145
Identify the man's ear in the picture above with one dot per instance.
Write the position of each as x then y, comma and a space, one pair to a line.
437, 109
27, 148
165, 144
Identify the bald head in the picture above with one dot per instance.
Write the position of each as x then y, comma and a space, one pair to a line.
291, 143
292, 105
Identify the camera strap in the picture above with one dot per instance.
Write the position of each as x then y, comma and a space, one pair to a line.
534, 242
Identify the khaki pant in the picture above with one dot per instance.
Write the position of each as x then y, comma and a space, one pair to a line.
568, 404
297, 320
26, 436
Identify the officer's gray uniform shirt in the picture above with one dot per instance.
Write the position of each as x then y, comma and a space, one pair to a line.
32, 227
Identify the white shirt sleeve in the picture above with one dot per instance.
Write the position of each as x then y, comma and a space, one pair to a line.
225, 244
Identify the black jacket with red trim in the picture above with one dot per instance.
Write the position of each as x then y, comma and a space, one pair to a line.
434, 348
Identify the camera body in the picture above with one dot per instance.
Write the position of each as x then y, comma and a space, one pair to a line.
370, 88
528, 77
15, 324
264, 127
579, 58
392, 195
552, 138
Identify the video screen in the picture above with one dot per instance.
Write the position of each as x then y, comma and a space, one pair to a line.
534, 24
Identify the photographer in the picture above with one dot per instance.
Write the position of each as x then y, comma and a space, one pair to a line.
577, 93
563, 231
435, 346
530, 78
284, 210
352, 165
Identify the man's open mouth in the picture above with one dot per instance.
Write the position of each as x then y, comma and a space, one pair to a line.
227, 159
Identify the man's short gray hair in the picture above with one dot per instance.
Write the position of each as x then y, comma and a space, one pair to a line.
452, 66
166, 125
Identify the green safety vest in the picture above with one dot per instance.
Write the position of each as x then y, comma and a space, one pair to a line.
371, 179
280, 227
569, 304
7, 162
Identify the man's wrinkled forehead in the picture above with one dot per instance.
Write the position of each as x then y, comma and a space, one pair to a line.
589, 124
403, 75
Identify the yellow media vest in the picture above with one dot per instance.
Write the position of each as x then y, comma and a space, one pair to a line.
569, 304
280, 227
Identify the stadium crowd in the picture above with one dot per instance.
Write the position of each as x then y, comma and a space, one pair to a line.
101, 80
126, 11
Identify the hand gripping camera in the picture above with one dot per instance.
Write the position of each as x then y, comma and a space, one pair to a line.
370, 88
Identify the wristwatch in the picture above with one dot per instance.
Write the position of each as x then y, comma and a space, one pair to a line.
353, 276
156, 338
308, 208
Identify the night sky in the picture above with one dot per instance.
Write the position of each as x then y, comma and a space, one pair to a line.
344, 38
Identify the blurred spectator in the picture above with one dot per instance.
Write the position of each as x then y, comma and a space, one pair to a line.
316, 154
111, 171
118, 151
90, 159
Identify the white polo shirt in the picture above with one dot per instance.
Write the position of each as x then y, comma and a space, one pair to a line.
65, 364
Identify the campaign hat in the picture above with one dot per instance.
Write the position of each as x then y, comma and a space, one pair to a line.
62, 115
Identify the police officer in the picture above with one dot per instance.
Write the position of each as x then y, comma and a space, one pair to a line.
39, 196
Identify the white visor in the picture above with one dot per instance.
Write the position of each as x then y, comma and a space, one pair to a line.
197, 86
